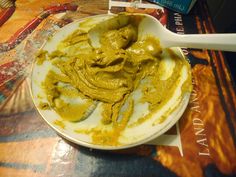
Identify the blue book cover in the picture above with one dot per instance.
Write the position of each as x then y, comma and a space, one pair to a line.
182, 6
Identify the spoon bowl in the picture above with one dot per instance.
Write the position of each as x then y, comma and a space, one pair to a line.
148, 25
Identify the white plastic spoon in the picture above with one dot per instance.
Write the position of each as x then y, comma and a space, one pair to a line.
151, 26
224, 42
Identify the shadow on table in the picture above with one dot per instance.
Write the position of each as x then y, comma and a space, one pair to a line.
128, 162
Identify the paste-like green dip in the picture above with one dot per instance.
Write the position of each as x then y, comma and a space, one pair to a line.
109, 74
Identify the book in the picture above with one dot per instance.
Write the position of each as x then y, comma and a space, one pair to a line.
182, 6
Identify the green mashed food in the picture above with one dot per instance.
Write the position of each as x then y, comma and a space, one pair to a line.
109, 74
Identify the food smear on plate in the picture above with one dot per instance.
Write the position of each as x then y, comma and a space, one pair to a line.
123, 72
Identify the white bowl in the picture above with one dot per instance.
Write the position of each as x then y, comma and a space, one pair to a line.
131, 136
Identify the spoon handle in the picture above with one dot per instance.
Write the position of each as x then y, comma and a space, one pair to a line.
224, 42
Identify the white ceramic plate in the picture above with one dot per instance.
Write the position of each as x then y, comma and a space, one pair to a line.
130, 136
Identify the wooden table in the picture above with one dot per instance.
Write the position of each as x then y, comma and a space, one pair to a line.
202, 143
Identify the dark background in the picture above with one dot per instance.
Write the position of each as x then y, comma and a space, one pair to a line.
223, 13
